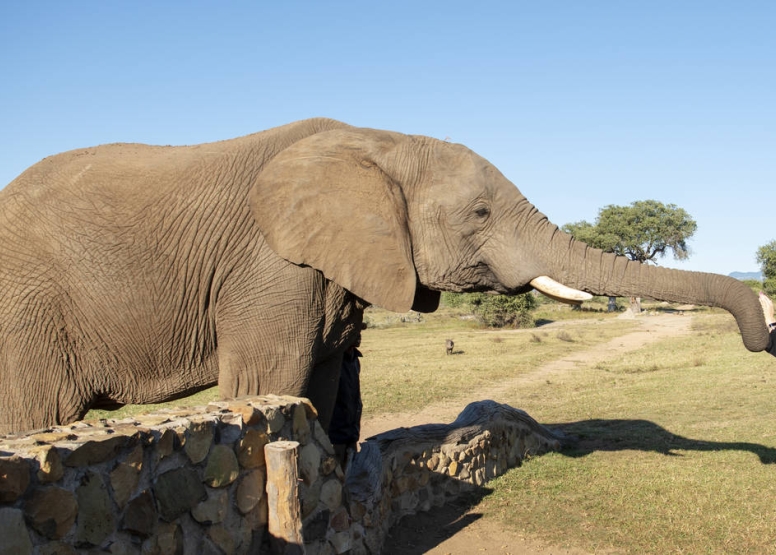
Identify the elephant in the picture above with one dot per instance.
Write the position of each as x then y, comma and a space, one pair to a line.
132, 273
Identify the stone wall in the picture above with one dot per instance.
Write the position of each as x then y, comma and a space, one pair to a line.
193, 480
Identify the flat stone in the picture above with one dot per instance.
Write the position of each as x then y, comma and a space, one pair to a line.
53, 437
96, 451
250, 490
309, 461
250, 452
222, 468
50, 464
14, 537
329, 465
95, 515
140, 516
168, 540
341, 542
178, 491
310, 497
230, 428
14, 478
250, 415
121, 547
315, 527
340, 520
331, 494
275, 418
125, 477
213, 509
322, 438
57, 548
222, 538
199, 438
300, 426
165, 445
51, 511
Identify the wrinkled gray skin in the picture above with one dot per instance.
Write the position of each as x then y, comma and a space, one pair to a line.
138, 274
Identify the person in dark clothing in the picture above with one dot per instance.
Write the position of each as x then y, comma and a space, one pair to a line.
345, 426
767, 305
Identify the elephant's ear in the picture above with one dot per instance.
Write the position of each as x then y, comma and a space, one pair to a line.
327, 203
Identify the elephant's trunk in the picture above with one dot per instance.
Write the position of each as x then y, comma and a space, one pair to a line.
582, 267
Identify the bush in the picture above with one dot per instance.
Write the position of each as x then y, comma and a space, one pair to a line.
496, 311
769, 286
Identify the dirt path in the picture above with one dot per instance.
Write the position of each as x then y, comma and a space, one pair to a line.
457, 530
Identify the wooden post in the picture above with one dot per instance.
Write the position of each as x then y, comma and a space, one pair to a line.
285, 515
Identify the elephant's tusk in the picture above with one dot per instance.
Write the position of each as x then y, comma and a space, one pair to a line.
558, 291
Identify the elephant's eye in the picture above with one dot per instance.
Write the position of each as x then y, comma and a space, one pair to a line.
482, 212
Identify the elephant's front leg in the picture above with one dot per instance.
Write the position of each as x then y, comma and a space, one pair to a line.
268, 334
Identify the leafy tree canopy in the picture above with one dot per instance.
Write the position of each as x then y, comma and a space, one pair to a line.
644, 231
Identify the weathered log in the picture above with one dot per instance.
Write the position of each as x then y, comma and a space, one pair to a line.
285, 516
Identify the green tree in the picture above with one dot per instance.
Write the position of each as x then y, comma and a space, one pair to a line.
766, 258
643, 231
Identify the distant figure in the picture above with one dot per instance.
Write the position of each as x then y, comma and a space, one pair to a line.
770, 321
449, 346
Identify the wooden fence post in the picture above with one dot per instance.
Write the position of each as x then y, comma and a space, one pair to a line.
285, 515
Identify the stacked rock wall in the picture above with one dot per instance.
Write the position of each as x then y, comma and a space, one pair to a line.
194, 480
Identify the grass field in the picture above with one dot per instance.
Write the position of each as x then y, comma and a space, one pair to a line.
676, 449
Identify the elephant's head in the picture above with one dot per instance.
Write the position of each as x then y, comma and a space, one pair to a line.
397, 218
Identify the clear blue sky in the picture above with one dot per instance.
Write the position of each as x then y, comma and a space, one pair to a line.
580, 103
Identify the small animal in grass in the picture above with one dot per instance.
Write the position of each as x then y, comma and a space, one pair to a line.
449, 346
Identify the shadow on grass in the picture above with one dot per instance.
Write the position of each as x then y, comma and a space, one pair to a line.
588, 436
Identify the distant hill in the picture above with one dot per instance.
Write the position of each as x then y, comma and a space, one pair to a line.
747, 275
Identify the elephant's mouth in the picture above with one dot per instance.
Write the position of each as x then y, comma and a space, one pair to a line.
554, 290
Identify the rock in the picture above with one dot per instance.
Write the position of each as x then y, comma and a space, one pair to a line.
250, 415
199, 438
51, 511
329, 465
314, 528
14, 537
96, 451
222, 538
275, 418
250, 491
178, 491
95, 513
300, 425
124, 478
166, 445
309, 461
14, 478
322, 438
222, 468
250, 452
340, 520
213, 509
310, 497
168, 540
331, 494
50, 464
57, 548
141, 516
341, 542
